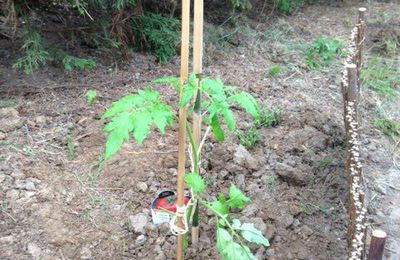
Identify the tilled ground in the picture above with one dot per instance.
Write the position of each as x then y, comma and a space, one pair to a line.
60, 201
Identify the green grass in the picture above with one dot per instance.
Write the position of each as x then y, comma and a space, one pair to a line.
382, 76
274, 71
321, 52
268, 116
388, 127
248, 138
8, 104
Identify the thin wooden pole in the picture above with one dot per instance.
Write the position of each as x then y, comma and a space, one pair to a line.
182, 120
361, 14
360, 39
197, 69
377, 245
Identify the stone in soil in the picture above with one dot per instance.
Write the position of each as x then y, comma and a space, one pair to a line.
30, 186
138, 222
243, 158
296, 176
9, 119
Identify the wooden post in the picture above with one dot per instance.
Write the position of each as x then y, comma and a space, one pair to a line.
361, 14
197, 120
352, 90
360, 39
182, 120
377, 245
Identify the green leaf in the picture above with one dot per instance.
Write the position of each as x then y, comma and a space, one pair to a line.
162, 116
188, 93
173, 81
216, 129
250, 233
227, 116
230, 250
126, 103
195, 182
141, 126
115, 140
247, 102
236, 198
220, 207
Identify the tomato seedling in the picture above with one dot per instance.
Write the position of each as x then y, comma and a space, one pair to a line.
135, 114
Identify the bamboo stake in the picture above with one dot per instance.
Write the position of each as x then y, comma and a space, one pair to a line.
182, 119
197, 68
377, 245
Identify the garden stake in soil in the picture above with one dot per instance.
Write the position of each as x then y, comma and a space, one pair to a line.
197, 118
182, 124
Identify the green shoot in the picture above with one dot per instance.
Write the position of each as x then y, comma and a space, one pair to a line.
321, 52
90, 97
274, 71
248, 138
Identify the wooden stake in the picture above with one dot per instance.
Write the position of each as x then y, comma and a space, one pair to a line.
197, 68
182, 119
377, 245
361, 14
352, 94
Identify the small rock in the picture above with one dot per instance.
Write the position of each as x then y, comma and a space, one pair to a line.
138, 222
34, 250
40, 120
243, 158
116, 207
381, 189
9, 119
19, 184
270, 233
7, 239
2, 136
306, 230
292, 175
142, 186
240, 181
204, 239
85, 253
296, 223
30, 186
172, 171
140, 240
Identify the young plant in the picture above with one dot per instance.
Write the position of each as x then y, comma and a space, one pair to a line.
248, 138
137, 113
274, 71
90, 97
321, 52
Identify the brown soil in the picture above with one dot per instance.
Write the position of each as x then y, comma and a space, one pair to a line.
59, 202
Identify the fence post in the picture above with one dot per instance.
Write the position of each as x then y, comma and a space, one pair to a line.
377, 245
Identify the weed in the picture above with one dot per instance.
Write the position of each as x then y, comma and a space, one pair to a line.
34, 54
248, 138
325, 162
90, 97
95, 171
381, 75
321, 52
388, 127
268, 116
274, 71
98, 201
288, 6
70, 63
160, 34
8, 104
